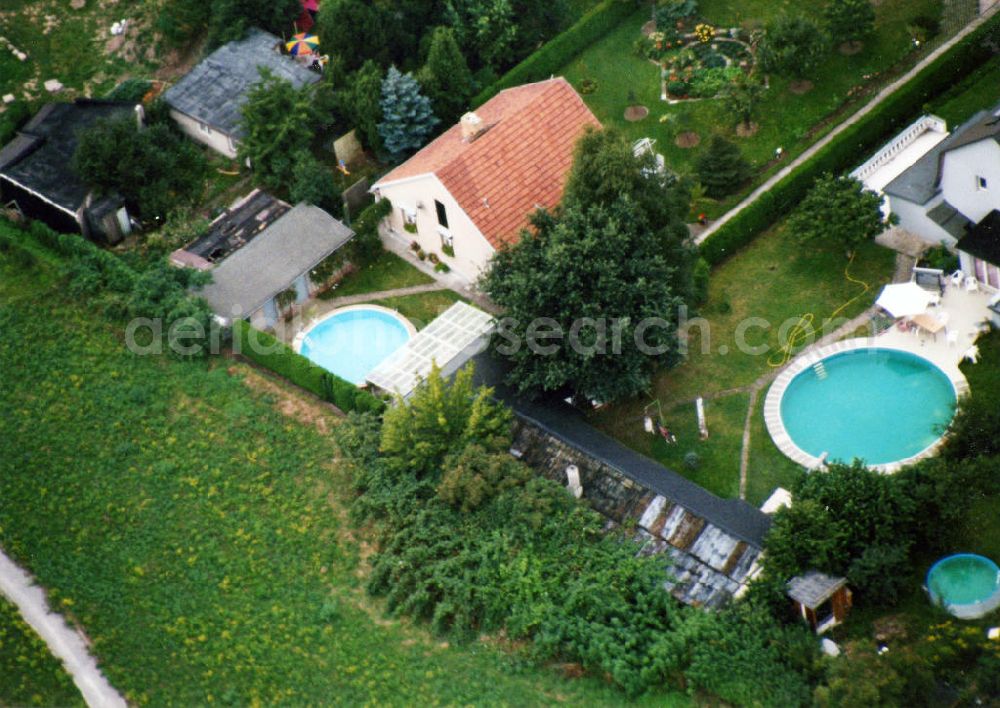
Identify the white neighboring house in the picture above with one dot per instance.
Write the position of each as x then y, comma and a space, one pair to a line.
471, 190
945, 188
207, 101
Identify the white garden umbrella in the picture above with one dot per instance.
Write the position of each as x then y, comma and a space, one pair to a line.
904, 299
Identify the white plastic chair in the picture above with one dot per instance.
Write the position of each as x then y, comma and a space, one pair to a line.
957, 277
971, 284
935, 300
952, 338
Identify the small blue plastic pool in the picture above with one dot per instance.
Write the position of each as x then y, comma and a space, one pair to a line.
353, 342
966, 584
878, 405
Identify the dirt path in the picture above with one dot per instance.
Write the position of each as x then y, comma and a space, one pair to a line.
68, 645
858, 115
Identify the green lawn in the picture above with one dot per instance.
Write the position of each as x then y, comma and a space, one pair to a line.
422, 308
70, 46
718, 468
387, 272
29, 674
786, 120
778, 281
199, 535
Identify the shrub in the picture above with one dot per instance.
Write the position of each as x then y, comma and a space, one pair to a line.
367, 243
670, 12
941, 258
846, 148
678, 88
442, 267
276, 356
710, 82
714, 60
562, 48
692, 460
792, 46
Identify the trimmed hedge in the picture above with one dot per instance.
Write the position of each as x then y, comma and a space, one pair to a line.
561, 49
282, 360
848, 148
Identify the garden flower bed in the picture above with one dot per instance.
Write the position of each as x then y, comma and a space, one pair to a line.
698, 64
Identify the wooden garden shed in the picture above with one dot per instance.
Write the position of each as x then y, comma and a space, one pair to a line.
822, 600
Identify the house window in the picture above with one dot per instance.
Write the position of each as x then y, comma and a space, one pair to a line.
980, 182
203, 127
441, 213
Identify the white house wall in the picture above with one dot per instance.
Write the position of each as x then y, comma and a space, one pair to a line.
913, 218
213, 138
959, 175
472, 250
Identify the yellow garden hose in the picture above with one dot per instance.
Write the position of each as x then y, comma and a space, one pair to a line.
799, 334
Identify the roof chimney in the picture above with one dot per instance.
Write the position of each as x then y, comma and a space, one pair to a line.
472, 126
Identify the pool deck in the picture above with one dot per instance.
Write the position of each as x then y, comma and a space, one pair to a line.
966, 314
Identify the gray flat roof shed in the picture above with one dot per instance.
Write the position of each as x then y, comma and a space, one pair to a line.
271, 263
215, 90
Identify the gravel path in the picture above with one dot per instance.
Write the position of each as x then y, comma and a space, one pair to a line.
68, 645
383, 294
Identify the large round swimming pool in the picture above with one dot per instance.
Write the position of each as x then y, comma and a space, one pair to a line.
966, 584
878, 405
353, 341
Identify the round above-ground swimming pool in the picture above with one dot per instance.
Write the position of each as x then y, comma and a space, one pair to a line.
352, 341
878, 405
965, 584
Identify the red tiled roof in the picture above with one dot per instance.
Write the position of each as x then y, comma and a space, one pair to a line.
519, 163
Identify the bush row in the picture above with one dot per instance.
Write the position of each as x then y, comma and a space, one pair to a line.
278, 357
850, 147
561, 49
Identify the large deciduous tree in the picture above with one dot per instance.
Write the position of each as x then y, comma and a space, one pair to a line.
360, 103
355, 31
848, 520
446, 77
839, 212
849, 20
742, 98
607, 269
486, 29
277, 124
154, 169
181, 21
721, 167
407, 119
792, 46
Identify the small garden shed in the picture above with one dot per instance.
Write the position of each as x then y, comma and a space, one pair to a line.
822, 600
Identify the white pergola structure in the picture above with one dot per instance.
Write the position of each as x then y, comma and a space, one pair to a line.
454, 337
